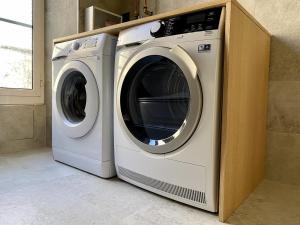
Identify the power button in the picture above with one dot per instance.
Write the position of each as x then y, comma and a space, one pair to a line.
204, 47
75, 45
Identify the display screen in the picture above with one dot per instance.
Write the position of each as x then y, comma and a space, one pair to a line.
196, 18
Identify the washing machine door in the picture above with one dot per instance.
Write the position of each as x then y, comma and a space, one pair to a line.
76, 99
159, 98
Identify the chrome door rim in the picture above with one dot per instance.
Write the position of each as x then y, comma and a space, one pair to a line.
76, 130
187, 65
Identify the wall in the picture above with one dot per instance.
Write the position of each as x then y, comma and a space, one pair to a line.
22, 127
281, 18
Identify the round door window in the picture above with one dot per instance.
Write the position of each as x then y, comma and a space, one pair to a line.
76, 104
154, 99
73, 97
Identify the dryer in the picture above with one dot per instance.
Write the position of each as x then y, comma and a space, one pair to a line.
167, 107
82, 103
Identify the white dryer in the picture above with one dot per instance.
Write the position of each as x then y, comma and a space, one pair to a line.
82, 103
167, 107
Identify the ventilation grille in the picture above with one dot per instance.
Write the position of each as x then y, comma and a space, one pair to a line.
193, 195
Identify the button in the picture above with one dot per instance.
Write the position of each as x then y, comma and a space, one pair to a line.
200, 48
207, 47
75, 45
157, 28
200, 27
204, 47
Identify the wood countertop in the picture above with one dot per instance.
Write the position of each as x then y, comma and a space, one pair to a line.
115, 29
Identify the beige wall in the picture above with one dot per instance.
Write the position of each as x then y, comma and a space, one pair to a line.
22, 127
281, 18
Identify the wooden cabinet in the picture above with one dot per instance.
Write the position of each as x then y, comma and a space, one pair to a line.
244, 116
244, 113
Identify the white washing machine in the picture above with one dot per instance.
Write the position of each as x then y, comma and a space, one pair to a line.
167, 107
82, 104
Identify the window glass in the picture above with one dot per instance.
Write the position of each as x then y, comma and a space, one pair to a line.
17, 10
16, 44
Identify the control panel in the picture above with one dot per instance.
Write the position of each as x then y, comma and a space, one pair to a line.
199, 21
85, 44
96, 45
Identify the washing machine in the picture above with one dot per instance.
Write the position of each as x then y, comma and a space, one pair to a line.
82, 104
167, 107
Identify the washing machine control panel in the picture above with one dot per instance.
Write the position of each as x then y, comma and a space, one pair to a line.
193, 22
85, 44
90, 43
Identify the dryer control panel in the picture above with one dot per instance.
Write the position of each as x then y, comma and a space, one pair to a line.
199, 21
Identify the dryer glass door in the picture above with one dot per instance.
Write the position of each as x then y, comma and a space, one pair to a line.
158, 100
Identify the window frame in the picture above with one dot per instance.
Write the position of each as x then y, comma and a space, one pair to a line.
36, 94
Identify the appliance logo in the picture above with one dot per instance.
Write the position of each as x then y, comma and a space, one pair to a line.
204, 48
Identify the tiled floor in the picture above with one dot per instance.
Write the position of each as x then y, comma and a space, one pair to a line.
36, 190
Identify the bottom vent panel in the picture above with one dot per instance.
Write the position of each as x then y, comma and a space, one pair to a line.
190, 194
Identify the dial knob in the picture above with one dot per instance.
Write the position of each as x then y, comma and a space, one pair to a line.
75, 45
157, 29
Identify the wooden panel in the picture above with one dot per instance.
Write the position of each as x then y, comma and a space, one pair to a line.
244, 109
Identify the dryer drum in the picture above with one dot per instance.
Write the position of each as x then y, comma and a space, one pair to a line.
154, 99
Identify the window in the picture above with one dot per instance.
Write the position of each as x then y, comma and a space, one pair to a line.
22, 52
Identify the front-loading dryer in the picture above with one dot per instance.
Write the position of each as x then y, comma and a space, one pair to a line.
167, 107
82, 103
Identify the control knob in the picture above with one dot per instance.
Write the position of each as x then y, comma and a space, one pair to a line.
157, 29
75, 45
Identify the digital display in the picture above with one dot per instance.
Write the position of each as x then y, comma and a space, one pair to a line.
196, 18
